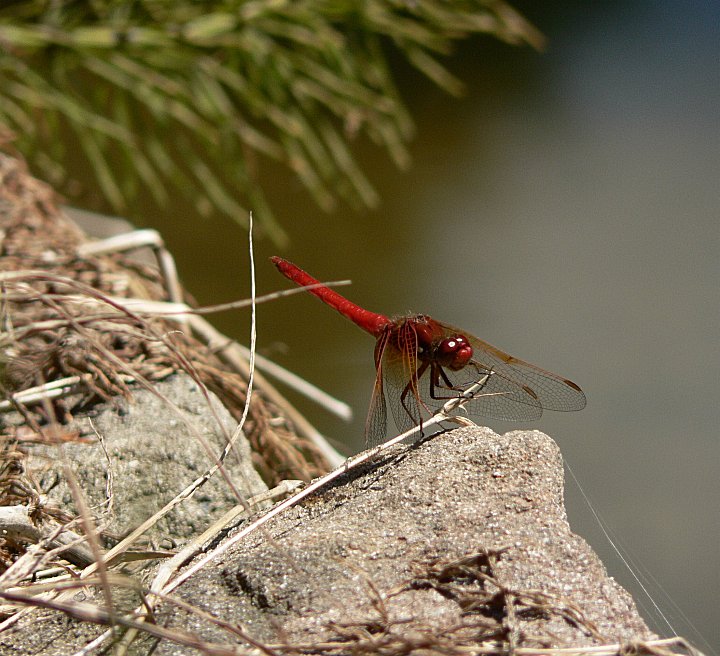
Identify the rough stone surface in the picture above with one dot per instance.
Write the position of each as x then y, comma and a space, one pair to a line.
358, 558
152, 448
371, 534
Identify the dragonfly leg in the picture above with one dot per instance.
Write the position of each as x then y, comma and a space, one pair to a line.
438, 374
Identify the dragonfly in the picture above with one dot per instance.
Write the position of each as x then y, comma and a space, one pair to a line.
422, 363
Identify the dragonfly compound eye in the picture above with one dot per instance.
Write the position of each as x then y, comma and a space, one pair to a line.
454, 352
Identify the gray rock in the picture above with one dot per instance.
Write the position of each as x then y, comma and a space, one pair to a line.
435, 547
371, 558
152, 452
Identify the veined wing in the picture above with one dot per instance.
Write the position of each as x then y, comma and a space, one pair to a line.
539, 387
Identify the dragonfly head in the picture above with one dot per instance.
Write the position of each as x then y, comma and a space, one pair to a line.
454, 352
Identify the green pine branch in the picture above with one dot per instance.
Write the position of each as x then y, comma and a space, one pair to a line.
190, 97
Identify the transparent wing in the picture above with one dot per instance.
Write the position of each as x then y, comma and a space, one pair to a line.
523, 383
402, 388
498, 396
376, 421
512, 389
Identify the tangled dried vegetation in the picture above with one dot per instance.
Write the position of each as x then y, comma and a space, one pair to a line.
68, 340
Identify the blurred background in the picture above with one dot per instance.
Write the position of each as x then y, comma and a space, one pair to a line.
566, 210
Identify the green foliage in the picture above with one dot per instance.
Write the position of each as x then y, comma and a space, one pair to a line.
197, 97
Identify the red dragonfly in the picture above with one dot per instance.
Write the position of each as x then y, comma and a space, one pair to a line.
422, 363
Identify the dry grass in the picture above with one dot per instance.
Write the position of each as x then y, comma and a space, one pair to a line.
489, 623
71, 336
